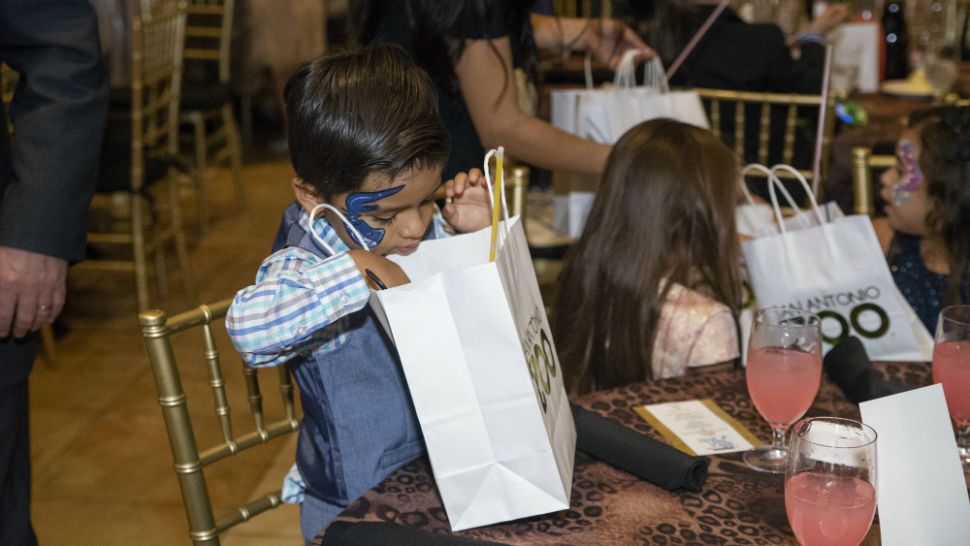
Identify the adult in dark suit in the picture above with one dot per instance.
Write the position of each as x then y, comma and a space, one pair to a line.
47, 176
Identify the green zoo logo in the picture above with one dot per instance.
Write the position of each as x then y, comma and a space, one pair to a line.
864, 330
542, 368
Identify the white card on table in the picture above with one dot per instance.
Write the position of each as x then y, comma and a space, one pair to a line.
698, 427
922, 492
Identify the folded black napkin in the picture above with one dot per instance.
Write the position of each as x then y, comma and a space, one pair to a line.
343, 533
626, 449
849, 367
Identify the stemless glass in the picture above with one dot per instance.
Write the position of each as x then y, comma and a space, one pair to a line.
951, 367
830, 481
783, 375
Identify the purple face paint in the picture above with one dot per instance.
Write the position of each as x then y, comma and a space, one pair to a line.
912, 177
363, 202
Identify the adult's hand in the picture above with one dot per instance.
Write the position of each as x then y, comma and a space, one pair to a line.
32, 290
609, 39
830, 18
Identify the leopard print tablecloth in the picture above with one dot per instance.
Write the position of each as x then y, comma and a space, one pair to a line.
738, 506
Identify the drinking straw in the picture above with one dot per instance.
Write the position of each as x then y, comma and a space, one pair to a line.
497, 199
697, 38
817, 162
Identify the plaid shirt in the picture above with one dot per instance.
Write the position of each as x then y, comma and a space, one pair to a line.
296, 296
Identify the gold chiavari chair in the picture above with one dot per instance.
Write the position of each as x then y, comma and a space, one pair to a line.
206, 103
148, 130
768, 106
864, 162
8, 82
189, 462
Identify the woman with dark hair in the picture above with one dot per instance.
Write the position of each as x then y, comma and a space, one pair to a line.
926, 231
652, 287
481, 55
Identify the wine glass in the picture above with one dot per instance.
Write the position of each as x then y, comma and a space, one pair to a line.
783, 375
830, 481
951, 367
941, 67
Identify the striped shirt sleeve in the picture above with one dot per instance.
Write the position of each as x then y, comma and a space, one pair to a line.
296, 295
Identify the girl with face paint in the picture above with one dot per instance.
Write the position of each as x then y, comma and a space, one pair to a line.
926, 230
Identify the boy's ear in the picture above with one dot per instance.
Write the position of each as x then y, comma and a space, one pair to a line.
305, 196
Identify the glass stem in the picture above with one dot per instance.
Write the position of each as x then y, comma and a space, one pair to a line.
778, 436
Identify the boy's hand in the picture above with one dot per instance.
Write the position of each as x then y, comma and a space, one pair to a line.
468, 206
387, 271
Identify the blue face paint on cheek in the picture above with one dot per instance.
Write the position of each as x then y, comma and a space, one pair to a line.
363, 202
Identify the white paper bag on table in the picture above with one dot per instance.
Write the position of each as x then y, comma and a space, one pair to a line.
482, 369
604, 115
836, 270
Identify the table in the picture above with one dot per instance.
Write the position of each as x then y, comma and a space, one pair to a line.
609, 506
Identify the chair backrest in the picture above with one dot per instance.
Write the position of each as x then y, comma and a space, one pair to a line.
863, 163
158, 330
156, 61
208, 33
774, 110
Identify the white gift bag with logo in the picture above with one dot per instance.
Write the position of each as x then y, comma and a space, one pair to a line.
836, 270
483, 373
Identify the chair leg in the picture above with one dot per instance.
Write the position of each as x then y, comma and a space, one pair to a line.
50, 351
235, 152
181, 251
246, 119
138, 240
198, 125
161, 269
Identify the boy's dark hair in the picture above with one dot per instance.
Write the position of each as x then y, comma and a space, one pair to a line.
358, 112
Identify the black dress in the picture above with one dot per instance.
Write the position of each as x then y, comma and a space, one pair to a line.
482, 20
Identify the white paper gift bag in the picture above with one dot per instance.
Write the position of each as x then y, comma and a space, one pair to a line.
483, 373
836, 270
603, 115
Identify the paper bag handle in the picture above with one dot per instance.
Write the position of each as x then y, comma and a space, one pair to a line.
625, 78
488, 185
769, 175
808, 190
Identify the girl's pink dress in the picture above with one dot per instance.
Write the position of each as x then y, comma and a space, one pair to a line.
694, 331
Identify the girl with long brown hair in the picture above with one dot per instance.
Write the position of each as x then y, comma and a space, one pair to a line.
652, 286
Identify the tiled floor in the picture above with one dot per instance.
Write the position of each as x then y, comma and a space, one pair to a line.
102, 467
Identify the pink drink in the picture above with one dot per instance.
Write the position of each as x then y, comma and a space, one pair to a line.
951, 366
826, 510
783, 382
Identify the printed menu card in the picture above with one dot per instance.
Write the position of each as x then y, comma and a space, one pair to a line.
698, 427
922, 492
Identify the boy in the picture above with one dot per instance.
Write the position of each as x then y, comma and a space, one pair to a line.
368, 147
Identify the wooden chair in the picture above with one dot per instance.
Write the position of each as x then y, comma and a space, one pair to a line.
863, 179
778, 111
206, 100
147, 131
158, 331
